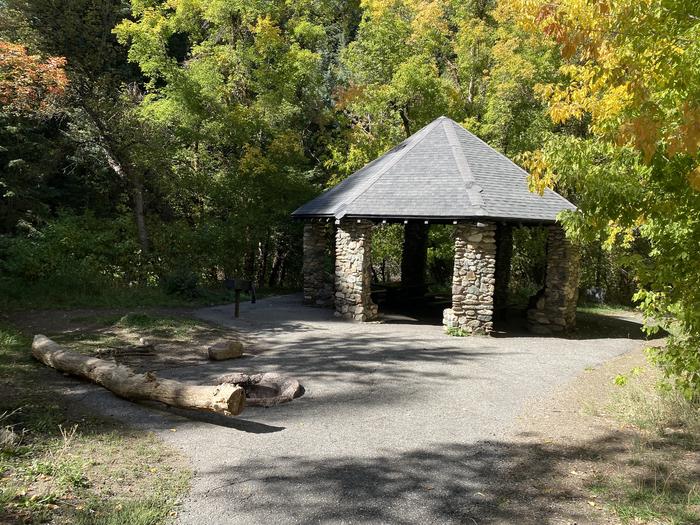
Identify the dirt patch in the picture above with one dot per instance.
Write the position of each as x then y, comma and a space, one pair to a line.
56, 322
147, 339
601, 467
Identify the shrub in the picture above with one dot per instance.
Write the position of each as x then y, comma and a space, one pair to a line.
183, 283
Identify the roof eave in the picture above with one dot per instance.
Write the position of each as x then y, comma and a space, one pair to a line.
432, 219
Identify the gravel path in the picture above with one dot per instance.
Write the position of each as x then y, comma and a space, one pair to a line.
399, 423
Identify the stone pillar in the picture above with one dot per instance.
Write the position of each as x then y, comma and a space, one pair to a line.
317, 266
555, 309
504, 254
353, 273
414, 258
473, 278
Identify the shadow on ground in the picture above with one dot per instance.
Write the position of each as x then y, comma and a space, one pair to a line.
486, 482
589, 325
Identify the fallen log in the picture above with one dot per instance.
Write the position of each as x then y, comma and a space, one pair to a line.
227, 399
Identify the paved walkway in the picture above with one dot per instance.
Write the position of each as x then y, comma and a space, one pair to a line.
399, 423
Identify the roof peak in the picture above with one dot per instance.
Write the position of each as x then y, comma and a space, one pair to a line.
443, 172
401, 150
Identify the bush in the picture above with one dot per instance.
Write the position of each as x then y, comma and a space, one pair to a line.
183, 283
76, 253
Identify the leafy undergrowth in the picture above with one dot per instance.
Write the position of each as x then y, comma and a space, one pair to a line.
61, 465
24, 296
660, 479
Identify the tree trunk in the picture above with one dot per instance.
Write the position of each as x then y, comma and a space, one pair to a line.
406, 123
120, 170
226, 399
275, 271
140, 215
265, 257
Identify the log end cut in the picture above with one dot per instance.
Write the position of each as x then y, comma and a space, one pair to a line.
229, 399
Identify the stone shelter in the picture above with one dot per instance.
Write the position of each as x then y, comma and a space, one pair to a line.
441, 174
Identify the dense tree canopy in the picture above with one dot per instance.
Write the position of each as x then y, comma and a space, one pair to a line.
630, 76
413, 61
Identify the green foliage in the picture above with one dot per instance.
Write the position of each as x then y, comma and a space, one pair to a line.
184, 283
75, 253
648, 217
411, 62
620, 380
455, 331
440, 255
632, 165
527, 264
387, 245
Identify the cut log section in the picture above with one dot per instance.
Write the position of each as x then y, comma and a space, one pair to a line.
265, 390
225, 350
227, 399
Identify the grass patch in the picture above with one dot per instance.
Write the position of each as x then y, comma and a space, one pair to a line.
28, 296
142, 321
456, 331
137, 511
61, 465
659, 482
606, 308
175, 336
658, 412
603, 321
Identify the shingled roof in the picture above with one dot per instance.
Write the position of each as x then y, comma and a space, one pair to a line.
440, 172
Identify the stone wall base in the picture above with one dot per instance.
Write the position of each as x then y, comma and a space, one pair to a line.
353, 274
473, 279
554, 309
317, 263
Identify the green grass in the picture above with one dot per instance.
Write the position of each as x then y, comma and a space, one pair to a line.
137, 511
28, 296
157, 325
64, 465
124, 332
605, 308
455, 331
658, 483
662, 498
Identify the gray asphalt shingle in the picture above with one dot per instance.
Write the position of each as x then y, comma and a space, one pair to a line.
440, 172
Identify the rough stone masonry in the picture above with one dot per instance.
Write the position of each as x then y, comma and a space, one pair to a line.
473, 278
318, 280
353, 273
555, 309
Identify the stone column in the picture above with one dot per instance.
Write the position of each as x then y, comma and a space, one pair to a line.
414, 258
317, 266
473, 278
555, 309
504, 254
353, 273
